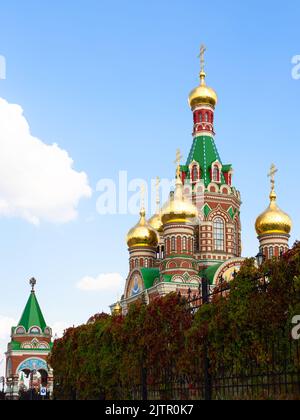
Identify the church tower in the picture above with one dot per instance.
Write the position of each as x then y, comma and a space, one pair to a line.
209, 181
28, 351
273, 227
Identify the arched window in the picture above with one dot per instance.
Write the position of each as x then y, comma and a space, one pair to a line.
271, 252
35, 330
146, 263
219, 234
184, 243
173, 244
206, 117
216, 174
20, 331
200, 117
158, 253
195, 174
136, 263
162, 252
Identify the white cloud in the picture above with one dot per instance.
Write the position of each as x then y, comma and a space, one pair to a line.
37, 181
112, 282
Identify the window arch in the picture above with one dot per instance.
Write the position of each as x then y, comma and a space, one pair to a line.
195, 173
20, 331
216, 174
219, 228
35, 330
173, 244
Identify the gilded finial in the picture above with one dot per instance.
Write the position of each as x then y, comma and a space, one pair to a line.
202, 64
157, 195
177, 163
143, 210
32, 283
271, 175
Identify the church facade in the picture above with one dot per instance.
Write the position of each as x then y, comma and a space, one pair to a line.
27, 353
197, 233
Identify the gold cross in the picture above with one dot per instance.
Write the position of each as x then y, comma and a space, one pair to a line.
201, 56
177, 162
142, 196
272, 173
157, 194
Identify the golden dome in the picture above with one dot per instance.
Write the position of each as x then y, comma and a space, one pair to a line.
156, 223
273, 220
178, 209
118, 309
142, 234
203, 95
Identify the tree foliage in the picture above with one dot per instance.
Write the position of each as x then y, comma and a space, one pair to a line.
105, 356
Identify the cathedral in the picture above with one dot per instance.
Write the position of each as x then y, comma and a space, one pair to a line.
197, 233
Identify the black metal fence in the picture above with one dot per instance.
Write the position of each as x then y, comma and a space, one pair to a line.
276, 377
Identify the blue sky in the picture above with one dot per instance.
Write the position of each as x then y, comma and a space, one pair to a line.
108, 82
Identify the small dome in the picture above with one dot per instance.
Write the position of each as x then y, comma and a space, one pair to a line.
273, 220
118, 309
203, 95
142, 234
178, 209
156, 222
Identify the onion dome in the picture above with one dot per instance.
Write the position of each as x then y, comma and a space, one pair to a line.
156, 222
118, 309
142, 234
178, 209
273, 220
203, 95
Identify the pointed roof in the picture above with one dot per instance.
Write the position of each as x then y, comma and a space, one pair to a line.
32, 315
204, 151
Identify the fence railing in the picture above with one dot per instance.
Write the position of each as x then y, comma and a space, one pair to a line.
276, 376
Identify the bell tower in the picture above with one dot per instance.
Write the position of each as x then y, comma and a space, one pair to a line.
28, 350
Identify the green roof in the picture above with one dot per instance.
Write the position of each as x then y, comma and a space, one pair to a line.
210, 272
32, 315
227, 168
16, 345
204, 151
149, 276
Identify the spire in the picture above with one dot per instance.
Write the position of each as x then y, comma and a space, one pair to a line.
158, 208
143, 210
179, 186
202, 65
32, 315
271, 175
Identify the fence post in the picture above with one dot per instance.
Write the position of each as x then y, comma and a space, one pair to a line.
207, 374
144, 384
